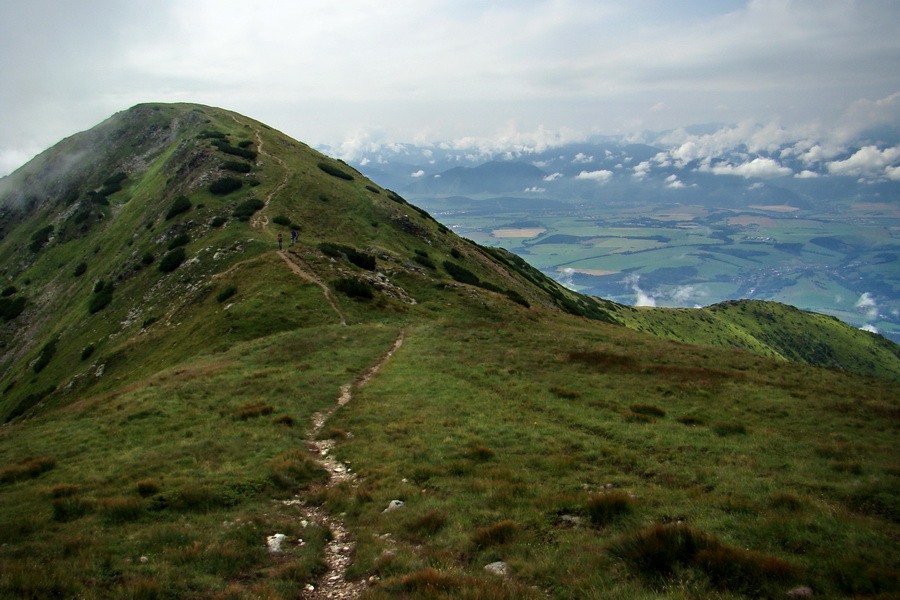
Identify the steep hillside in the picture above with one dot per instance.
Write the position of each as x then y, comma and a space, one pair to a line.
380, 408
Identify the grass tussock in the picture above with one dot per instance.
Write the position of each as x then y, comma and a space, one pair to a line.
27, 469
427, 524
658, 551
727, 429
647, 409
253, 410
147, 487
565, 393
122, 509
70, 508
603, 360
497, 534
294, 469
603, 509
63, 490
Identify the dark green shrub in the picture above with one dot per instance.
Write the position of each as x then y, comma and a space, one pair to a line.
226, 294
495, 535
40, 237
172, 260
227, 148
335, 172
396, 197
45, 355
354, 288
517, 298
181, 204
225, 185
247, 208
281, 220
101, 298
80, 269
456, 254
245, 143
461, 274
603, 509
87, 352
217, 221
148, 322
236, 166
211, 134
373, 189
10, 308
9, 291
182, 239
647, 409
147, 258
424, 261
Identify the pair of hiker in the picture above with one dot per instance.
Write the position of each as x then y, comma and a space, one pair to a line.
294, 236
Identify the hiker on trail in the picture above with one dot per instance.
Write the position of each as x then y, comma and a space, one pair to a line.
294, 236
279, 240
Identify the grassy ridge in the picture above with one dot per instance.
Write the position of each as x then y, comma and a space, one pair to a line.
150, 453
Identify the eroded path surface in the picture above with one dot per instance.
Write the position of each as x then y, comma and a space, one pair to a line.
292, 261
333, 584
259, 221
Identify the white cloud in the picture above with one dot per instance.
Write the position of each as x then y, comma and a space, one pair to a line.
870, 328
535, 190
806, 174
641, 169
867, 304
765, 168
553, 176
582, 158
867, 161
418, 173
601, 176
673, 182
642, 298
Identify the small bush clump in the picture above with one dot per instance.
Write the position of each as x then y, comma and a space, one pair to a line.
335, 172
43, 359
354, 288
461, 274
236, 166
181, 204
40, 237
247, 208
122, 509
70, 508
225, 185
12, 308
565, 393
182, 239
225, 294
80, 269
172, 260
8, 291
690, 420
217, 221
281, 220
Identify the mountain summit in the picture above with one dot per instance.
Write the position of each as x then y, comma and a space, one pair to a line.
232, 366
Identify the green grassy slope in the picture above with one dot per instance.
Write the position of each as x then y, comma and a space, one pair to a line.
518, 421
774, 330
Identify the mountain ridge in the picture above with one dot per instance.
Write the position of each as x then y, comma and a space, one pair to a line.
170, 352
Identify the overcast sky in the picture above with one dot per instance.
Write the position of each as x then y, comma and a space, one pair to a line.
341, 73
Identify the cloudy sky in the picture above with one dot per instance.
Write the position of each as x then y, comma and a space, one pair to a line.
425, 70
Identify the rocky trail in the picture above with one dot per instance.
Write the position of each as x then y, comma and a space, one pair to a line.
292, 261
333, 584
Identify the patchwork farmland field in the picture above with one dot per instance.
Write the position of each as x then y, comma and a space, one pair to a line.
842, 263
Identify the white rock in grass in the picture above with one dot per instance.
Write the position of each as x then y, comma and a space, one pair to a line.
394, 505
498, 568
274, 542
